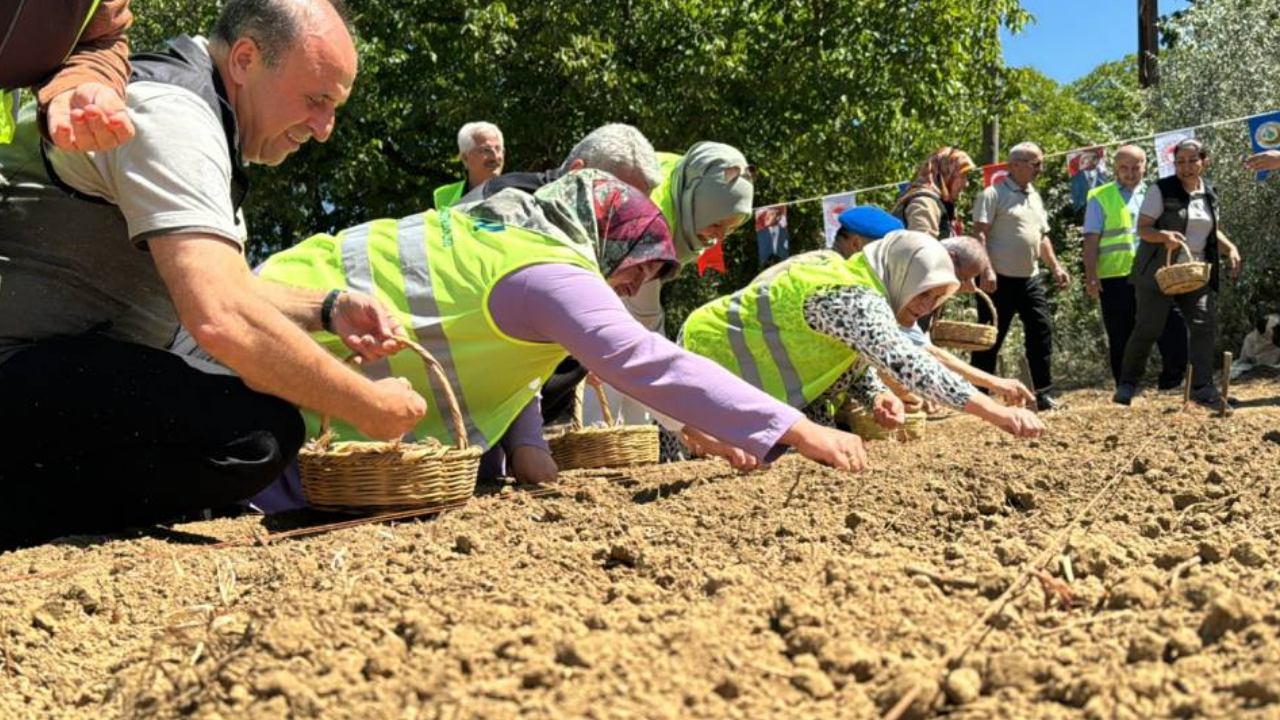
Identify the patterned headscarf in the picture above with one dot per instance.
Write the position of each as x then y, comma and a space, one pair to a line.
592, 211
936, 173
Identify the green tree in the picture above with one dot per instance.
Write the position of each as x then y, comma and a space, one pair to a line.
820, 95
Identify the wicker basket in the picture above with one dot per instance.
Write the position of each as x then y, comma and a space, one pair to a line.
865, 426
384, 476
601, 447
1176, 279
959, 335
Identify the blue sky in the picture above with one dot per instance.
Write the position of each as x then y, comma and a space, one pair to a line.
1053, 44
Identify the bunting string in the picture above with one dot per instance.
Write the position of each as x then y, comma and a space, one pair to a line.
1110, 143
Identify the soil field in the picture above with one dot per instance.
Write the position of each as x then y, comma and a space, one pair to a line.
688, 591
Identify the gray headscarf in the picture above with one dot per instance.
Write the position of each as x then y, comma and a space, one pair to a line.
710, 186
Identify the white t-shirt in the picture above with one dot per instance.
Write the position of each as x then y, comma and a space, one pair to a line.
1199, 221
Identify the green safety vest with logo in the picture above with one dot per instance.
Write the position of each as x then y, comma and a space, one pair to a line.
760, 333
435, 272
9, 101
1116, 246
661, 195
446, 195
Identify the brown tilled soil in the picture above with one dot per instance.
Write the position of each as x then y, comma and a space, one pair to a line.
687, 591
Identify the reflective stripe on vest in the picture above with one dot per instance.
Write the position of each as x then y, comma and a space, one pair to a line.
355, 263
1116, 244
760, 332
415, 267
773, 340
435, 272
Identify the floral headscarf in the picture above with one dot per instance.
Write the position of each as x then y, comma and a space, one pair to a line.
592, 211
936, 173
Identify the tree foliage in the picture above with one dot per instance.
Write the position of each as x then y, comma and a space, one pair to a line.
820, 94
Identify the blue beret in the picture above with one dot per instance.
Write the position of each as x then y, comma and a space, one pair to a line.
869, 221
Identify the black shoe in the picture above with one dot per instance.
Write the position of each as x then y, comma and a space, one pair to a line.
1124, 394
1045, 403
1209, 397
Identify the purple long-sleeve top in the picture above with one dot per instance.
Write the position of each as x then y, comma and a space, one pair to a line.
575, 309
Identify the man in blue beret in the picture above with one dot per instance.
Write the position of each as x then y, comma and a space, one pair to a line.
860, 225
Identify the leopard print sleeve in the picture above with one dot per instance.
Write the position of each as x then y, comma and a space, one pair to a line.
861, 318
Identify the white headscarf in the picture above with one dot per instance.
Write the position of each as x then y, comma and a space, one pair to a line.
909, 263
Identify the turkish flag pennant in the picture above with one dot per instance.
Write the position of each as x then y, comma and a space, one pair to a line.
712, 259
994, 173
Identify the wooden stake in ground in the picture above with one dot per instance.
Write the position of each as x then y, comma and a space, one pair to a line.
1186, 388
1225, 408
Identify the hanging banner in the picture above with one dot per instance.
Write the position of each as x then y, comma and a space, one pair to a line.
772, 240
1166, 143
992, 174
1087, 170
712, 259
902, 188
832, 206
1264, 132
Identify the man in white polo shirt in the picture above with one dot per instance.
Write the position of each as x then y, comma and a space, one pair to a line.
1010, 220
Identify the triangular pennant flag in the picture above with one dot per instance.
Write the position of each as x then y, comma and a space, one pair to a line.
712, 259
994, 173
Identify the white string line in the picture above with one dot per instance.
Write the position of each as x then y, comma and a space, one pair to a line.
1064, 153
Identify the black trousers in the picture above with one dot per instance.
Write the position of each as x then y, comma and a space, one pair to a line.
1025, 298
1199, 311
1119, 315
100, 435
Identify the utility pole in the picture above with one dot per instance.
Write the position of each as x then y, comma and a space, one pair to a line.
990, 141
1148, 43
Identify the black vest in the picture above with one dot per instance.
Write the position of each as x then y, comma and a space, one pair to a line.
947, 221
186, 66
1151, 256
70, 254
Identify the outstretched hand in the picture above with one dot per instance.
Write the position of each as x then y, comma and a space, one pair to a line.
91, 117
703, 445
828, 446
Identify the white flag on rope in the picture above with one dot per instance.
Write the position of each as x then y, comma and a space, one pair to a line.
832, 206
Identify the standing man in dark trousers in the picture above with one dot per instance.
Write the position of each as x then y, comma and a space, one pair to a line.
1010, 220
1110, 241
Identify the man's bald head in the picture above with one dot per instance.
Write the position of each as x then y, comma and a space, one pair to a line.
277, 25
1130, 165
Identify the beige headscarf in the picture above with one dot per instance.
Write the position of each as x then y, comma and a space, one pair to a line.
909, 263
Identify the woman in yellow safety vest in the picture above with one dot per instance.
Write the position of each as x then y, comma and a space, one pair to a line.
502, 292
808, 334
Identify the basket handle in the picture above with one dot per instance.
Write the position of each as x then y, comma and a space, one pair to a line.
433, 367
604, 403
1168, 253
995, 322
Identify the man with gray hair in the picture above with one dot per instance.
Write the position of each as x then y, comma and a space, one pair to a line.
1009, 219
104, 427
480, 148
620, 150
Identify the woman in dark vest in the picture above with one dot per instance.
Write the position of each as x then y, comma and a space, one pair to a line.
928, 205
1180, 209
